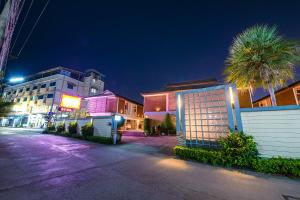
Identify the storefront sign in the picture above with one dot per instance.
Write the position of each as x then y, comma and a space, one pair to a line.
62, 109
70, 102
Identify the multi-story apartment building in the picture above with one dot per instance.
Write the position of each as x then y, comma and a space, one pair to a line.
41, 93
109, 103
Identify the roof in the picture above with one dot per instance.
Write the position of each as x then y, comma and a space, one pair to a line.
188, 85
280, 90
107, 93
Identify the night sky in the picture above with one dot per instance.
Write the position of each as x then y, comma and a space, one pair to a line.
142, 45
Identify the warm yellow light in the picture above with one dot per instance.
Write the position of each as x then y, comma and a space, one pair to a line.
19, 108
179, 102
231, 95
172, 163
68, 101
157, 109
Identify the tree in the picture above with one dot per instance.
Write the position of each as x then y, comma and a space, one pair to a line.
167, 125
260, 57
5, 108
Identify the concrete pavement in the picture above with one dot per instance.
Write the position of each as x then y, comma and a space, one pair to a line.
36, 166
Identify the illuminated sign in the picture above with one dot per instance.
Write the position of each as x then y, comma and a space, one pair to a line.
62, 109
68, 101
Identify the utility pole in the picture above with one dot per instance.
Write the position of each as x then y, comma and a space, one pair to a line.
8, 20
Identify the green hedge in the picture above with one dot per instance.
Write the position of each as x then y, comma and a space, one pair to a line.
51, 127
280, 166
87, 129
73, 128
61, 127
100, 139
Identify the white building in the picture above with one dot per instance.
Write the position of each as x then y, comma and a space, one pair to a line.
41, 93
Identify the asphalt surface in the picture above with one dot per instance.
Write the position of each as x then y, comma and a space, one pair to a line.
38, 166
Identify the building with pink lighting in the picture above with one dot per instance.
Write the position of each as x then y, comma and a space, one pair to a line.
158, 103
109, 103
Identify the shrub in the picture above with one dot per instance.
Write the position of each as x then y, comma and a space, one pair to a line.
100, 139
167, 125
238, 149
198, 154
278, 165
147, 126
61, 127
73, 128
87, 129
50, 127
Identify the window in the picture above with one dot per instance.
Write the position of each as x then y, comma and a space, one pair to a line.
41, 97
52, 84
70, 86
50, 96
35, 87
14, 92
32, 98
20, 90
24, 99
28, 89
94, 90
18, 100
43, 86
8, 93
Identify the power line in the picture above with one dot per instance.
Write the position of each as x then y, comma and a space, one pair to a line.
18, 34
35, 24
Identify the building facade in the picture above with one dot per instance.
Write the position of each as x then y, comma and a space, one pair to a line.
158, 103
289, 95
109, 103
40, 94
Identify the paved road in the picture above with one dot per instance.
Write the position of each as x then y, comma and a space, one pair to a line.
36, 166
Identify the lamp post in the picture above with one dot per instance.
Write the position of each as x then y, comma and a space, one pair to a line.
116, 120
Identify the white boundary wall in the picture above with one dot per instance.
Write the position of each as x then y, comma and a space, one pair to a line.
102, 125
275, 129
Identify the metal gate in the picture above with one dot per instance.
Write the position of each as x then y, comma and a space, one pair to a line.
205, 115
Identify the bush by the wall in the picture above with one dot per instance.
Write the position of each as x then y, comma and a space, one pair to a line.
167, 125
73, 128
87, 129
51, 127
61, 127
147, 126
238, 149
283, 166
100, 139
198, 154
280, 166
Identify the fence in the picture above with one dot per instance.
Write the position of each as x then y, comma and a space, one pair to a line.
275, 129
102, 125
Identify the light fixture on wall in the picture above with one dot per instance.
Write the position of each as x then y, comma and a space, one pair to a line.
157, 109
231, 95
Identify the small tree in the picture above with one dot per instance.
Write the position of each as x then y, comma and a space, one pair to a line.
147, 126
5, 108
73, 127
61, 127
167, 126
87, 129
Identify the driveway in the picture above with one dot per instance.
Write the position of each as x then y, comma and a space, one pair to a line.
36, 166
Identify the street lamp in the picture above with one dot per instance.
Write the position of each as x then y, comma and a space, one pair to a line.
16, 79
116, 120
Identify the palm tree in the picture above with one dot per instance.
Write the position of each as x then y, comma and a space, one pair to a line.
260, 57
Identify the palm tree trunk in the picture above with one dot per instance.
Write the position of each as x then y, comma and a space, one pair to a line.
272, 94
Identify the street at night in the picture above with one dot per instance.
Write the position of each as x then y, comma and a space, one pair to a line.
39, 166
